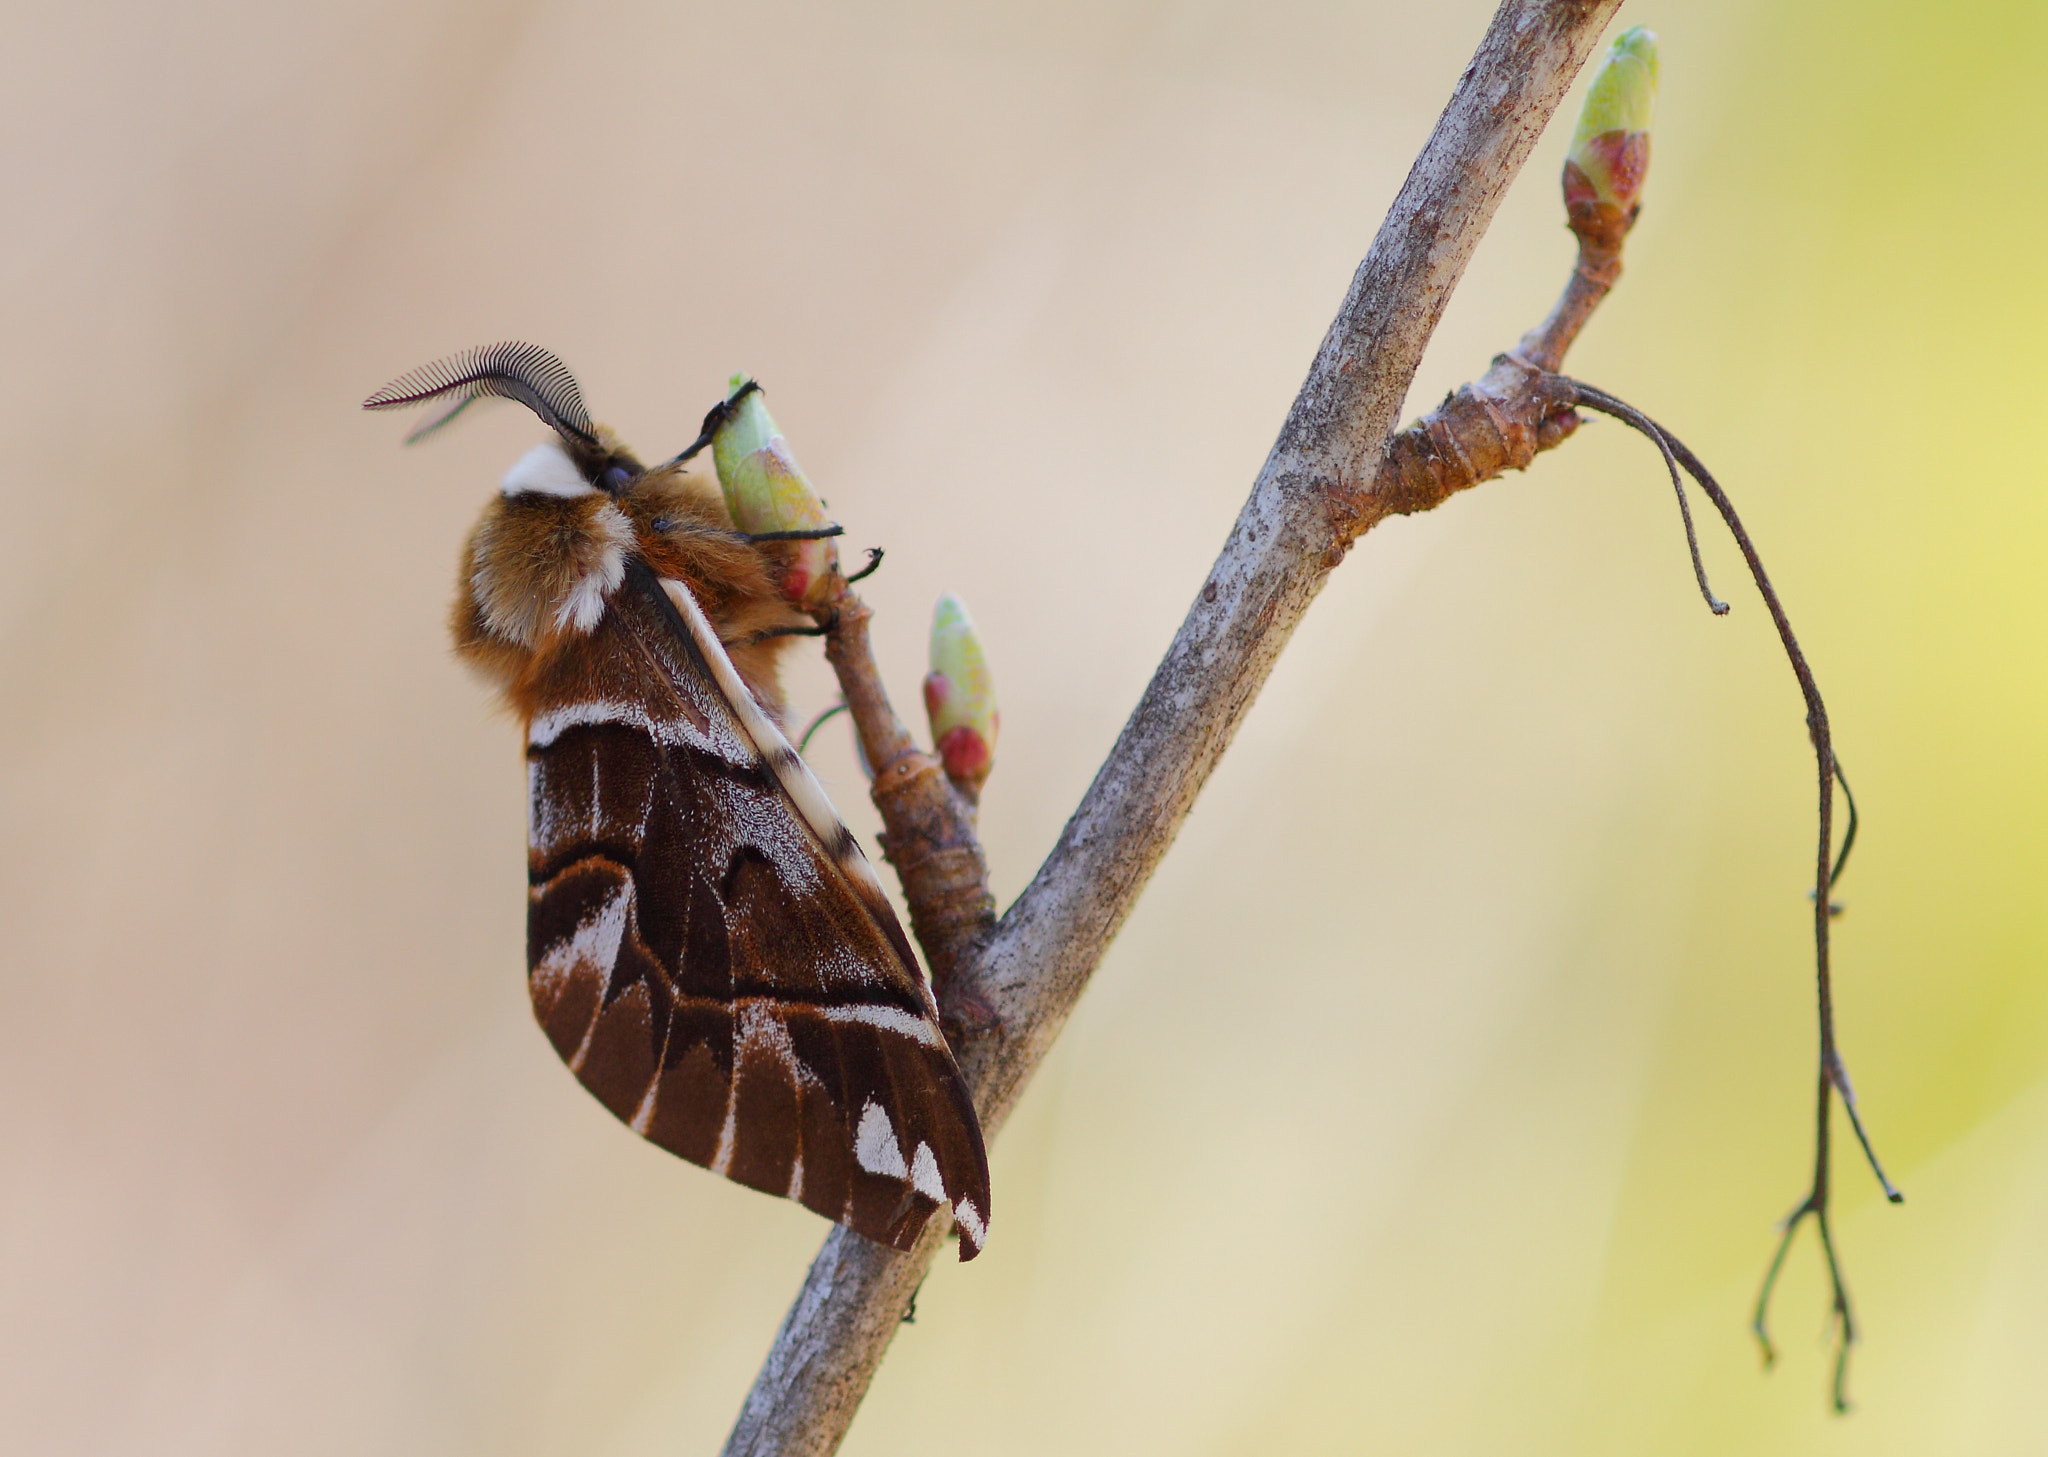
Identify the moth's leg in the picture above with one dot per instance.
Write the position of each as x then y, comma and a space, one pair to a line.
874, 564
716, 416
755, 538
823, 629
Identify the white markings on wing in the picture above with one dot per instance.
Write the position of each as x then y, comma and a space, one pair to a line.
969, 1219
874, 1143
670, 730
592, 947
889, 1019
728, 1135
924, 1175
796, 1179
549, 726
790, 771
546, 470
766, 824
762, 1030
562, 814
643, 1116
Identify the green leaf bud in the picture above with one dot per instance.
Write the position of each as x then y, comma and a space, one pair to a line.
766, 490
1610, 151
960, 696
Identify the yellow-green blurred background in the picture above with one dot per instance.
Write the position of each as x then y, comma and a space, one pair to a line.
1441, 1095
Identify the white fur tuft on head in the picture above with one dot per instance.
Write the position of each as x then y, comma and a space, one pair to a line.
546, 470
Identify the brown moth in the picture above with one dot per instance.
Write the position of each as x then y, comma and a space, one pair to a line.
707, 947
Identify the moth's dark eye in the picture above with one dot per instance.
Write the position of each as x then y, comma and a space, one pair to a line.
664, 524
613, 478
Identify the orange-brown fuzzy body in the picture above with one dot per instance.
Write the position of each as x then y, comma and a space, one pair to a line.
539, 567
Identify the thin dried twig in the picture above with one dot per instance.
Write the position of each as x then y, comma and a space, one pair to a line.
1315, 495
1833, 1075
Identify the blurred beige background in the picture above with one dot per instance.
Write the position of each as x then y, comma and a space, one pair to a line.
1441, 1095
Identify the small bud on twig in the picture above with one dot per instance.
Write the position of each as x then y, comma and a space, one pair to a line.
1610, 152
767, 491
960, 698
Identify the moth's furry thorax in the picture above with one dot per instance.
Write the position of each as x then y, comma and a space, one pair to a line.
544, 560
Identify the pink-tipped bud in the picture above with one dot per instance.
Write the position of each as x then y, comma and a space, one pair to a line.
1610, 151
766, 490
960, 696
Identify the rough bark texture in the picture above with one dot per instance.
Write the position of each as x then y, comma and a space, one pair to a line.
1317, 492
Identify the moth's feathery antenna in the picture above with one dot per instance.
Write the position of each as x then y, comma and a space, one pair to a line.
510, 371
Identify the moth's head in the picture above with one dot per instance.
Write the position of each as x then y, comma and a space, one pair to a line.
552, 546
582, 457
558, 469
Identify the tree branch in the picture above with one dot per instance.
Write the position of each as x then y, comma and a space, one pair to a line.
1317, 492
927, 822
1309, 504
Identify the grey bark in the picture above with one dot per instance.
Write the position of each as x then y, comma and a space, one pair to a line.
1313, 497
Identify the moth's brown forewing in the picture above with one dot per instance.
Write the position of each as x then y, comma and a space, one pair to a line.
702, 958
